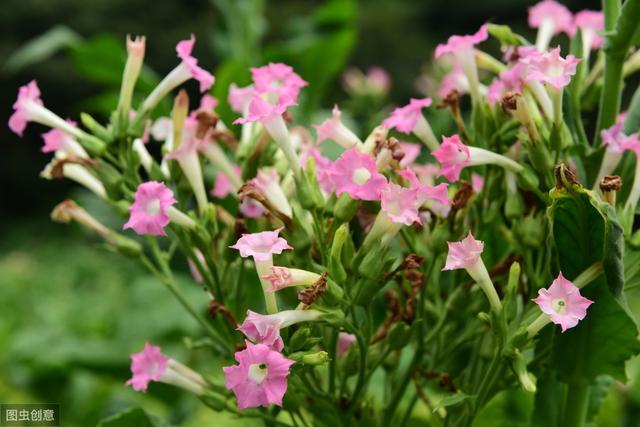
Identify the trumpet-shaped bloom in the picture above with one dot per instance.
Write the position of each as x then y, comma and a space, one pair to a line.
614, 138
550, 12
563, 303
454, 80
223, 186
590, 23
509, 81
453, 156
57, 140
208, 103
551, 68
355, 173
268, 183
240, 97
278, 78
251, 209
184, 49
260, 378
411, 153
438, 193
263, 329
149, 210
261, 246
457, 44
28, 95
147, 366
263, 108
335, 130
404, 119
464, 254
400, 204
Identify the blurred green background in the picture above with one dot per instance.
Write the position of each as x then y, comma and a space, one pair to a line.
71, 312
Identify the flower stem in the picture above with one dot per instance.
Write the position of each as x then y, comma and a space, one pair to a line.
575, 408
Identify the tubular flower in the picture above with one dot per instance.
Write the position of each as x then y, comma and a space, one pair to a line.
550, 18
278, 78
409, 119
323, 166
240, 98
56, 141
466, 255
268, 183
132, 68
355, 173
453, 156
425, 192
152, 210
461, 47
411, 153
551, 68
29, 108
563, 303
151, 365
284, 277
509, 81
590, 23
265, 329
260, 378
400, 204
616, 143
186, 70
454, 80
223, 186
261, 247
335, 130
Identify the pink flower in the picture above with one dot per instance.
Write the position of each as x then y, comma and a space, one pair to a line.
223, 187
411, 153
240, 97
458, 44
464, 254
552, 13
477, 182
551, 68
284, 277
509, 81
454, 80
149, 210
58, 140
335, 130
355, 173
279, 79
563, 303
263, 329
261, 246
590, 23
28, 95
183, 50
400, 204
251, 209
208, 103
260, 378
614, 139
345, 341
453, 156
146, 366
193, 268
262, 109
323, 166
438, 193
404, 119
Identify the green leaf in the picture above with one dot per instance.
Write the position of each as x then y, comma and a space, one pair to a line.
585, 231
134, 417
626, 30
41, 48
506, 36
452, 400
632, 122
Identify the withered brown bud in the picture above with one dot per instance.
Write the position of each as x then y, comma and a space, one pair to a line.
249, 189
611, 183
451, 100
311, 294
57, 166
393, 145
206, 121
509, 102
565, 174
461, 197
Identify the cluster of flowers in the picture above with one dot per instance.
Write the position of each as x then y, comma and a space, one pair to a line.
379, 171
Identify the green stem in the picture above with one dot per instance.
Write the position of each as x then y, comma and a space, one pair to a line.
576, 402
332, 361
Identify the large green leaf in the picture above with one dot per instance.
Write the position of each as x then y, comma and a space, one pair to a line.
585, 231
134, 417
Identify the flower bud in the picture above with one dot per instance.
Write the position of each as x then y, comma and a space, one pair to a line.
96, 128
299, 339
609, 186
336, 269
345, 208
310, 358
